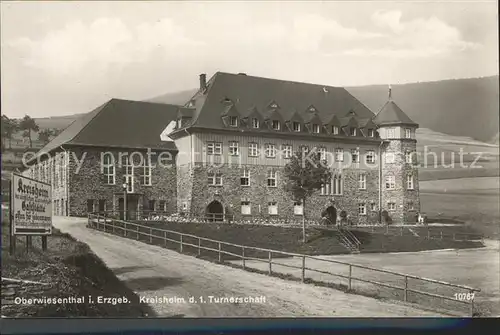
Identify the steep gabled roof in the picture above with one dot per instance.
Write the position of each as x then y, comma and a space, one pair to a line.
391, 114
119, 123
248, 91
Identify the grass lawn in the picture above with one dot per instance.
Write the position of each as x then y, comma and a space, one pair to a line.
321, 241
71, 270
473, 201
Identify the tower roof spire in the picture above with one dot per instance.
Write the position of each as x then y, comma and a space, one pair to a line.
390, 92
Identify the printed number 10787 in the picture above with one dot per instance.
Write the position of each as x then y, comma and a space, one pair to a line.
464, 296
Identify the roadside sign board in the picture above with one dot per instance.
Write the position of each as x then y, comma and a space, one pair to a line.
30, 206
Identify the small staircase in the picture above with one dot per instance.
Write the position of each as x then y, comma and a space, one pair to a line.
348, 240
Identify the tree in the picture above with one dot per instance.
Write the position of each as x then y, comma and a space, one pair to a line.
9, 128
46, 134
304, 174
28, 125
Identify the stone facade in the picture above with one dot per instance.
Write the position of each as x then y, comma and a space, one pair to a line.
406, 200
87, 182
258, 194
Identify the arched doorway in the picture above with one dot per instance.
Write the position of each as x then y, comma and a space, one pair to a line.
331, 215
215, 211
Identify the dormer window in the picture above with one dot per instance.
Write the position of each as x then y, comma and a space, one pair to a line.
407, 133
296, 126
274, 105
352, 131
335, 130
371, 133
276, 125
315, 128
255, 123
233, 121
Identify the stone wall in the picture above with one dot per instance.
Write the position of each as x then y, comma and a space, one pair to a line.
88, 182
231, 194
400, 195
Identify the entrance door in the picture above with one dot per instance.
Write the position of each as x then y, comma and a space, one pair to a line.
215, 211
132, 201
120, 208
331, 215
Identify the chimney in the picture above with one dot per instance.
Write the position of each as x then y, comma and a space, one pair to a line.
203, 81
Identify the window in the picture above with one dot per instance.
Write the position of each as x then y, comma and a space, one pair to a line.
151, 205
335, 130
245, 178
272, 178
390, 182
407, 133
233, 148
373, 207
371, 133
272, 208
411, 207
362, 209
246, 209
409, 157
389, 158
391, 206
162, 206
339, 155
370, 157
128, 173
298, 209
362, 182
355, 155
270, 150
391, 133
147, 170
287, 151
90, 205
108, 166
352, 131
215, 178
333, 187
255, 123
296, 126
322, 153
214, 148
253, 149
102, 205
304, 149
315, 128
409, 182
276, 125
233, 121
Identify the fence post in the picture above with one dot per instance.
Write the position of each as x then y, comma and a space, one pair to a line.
303, 268
165, 238
181, 243
406, 289
472, 305
387, 229
243, 256
441, 234
270, 262
428, 234
402, 231
137, 233
220, 255
151, 235
112, 224
124, 229
454, 237
350, 277
199, 246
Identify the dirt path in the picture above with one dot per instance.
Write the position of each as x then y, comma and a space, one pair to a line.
152, 271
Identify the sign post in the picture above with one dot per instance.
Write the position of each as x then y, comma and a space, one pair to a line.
30, 210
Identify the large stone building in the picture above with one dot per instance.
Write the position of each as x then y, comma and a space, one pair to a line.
228, 146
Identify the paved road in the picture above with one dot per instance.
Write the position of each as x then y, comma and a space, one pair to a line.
152, 271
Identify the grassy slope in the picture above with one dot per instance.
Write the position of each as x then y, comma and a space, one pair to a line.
72, 271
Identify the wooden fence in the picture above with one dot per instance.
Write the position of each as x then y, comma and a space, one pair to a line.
135, 231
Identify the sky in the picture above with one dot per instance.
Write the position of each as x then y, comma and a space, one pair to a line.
62, 58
